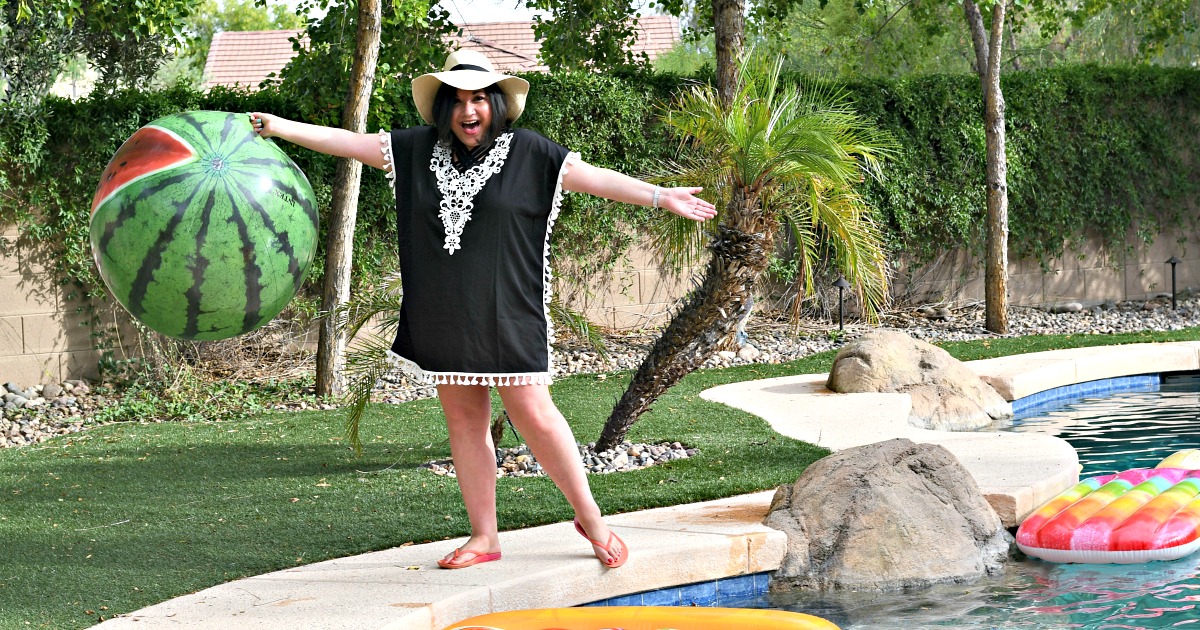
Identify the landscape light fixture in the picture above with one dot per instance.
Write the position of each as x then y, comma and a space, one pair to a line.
841, 285
1173, 261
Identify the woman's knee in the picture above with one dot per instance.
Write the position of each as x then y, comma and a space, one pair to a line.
532, 409
465, 405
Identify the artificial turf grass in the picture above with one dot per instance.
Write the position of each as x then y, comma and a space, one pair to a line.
126, 515
123, 516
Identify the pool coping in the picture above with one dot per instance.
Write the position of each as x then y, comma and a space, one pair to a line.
685, 551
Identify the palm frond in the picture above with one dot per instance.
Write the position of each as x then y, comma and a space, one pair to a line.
367, 356
365, 365
381, 305
799, 149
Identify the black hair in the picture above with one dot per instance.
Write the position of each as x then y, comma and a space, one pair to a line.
443, 112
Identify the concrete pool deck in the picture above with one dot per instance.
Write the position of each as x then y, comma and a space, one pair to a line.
551, 566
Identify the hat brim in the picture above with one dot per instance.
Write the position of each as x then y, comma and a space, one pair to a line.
425, 88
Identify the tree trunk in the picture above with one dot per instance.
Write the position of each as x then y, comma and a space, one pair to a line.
729, 29
343, 211
988, 52
740, 254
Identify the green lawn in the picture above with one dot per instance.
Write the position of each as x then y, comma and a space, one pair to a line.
126, 515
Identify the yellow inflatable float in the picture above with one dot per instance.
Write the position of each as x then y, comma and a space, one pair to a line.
644, 618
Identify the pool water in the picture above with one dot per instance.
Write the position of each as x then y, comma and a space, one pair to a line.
1135, 428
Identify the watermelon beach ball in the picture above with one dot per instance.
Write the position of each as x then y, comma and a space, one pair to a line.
202, 229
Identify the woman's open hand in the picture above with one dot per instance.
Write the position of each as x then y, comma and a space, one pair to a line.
684, 202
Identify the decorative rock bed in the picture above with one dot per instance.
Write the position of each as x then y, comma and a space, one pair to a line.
519, 462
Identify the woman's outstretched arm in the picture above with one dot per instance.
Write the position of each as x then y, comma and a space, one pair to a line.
364, 147
609, 184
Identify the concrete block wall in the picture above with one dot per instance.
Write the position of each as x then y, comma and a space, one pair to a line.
42, 337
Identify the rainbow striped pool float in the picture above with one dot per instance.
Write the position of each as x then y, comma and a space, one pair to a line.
1134, 516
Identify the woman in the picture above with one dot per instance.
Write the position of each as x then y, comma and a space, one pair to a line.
475, 203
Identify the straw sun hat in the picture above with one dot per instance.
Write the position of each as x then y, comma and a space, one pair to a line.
468, 70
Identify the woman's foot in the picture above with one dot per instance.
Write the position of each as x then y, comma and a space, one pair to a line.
474, 551
610, 550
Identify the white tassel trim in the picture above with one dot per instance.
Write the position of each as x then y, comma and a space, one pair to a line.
547, 274
389, 161
426, 377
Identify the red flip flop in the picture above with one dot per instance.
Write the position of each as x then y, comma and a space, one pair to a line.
476, 558
615, 559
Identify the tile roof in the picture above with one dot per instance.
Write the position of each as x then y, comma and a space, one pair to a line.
511, 45
246, 58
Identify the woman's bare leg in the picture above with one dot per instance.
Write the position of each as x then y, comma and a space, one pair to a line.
550, 440
468, 411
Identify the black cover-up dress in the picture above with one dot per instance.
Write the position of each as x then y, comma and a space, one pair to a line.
475, 257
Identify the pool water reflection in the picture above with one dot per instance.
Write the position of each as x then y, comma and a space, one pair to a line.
1124, 430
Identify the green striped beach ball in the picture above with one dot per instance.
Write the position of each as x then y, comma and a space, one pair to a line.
202, 229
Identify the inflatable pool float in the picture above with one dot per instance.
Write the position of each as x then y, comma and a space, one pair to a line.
1134, 516
644, 618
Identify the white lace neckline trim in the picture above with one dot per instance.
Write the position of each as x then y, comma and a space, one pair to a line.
459, 189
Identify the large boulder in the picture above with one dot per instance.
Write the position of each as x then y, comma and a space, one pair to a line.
946, 394
886, 516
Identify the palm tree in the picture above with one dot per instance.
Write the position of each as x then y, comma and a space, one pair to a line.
776, 152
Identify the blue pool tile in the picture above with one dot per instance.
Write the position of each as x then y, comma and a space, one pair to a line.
1036, 404
699, 594
762, 583
626, 600
664, 597
726, 591
734, 589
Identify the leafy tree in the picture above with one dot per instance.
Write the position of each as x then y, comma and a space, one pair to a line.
989, 49
412, 42
990, 22
211, 17
873, 38
772, 152
343, 212
1132, 31
125, 42
687, 57
586, 34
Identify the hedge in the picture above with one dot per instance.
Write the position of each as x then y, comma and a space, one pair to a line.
1092, 150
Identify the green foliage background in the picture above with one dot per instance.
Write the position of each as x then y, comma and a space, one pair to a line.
1092, 150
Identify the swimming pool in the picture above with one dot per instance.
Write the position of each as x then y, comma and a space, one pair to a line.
1138, 422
